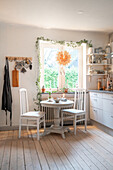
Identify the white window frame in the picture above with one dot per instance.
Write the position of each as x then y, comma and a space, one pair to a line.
44, 44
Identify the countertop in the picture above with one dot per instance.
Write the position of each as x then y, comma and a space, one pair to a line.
101, 91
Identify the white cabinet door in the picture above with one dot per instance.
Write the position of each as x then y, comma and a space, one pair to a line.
108, 119
100, 116
93, 113
107, 105
96, 114
101, 108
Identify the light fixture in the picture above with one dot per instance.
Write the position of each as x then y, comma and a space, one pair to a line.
80, 12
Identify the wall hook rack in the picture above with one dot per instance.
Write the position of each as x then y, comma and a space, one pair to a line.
18, 58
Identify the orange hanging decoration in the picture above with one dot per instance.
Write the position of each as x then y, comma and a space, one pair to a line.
63, 58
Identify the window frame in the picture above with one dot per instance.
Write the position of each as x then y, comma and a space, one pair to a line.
46, 44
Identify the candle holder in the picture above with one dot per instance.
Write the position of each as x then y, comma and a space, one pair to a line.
63, 95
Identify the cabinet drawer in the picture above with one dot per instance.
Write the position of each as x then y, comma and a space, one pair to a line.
107, 105
96, 102
108, 96
96, 95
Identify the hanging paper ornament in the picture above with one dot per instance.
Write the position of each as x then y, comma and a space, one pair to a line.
63, 58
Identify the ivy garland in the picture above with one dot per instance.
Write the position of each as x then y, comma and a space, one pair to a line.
68, 44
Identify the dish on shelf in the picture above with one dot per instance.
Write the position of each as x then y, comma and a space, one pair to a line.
100, 71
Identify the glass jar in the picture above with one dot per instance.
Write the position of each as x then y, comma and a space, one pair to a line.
104, 83
108, 49
99, 83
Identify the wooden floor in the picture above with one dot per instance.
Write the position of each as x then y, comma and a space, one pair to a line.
87, 150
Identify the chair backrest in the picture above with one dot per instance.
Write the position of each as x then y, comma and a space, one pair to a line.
80, 99
23, 101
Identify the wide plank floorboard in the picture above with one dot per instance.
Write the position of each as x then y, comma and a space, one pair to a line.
54, 154
97, 148
85, 150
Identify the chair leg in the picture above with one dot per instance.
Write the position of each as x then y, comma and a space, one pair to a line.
74, 124
63, 135
44, 123
62, 123
20, 128
85, 123
38, 137
27, 125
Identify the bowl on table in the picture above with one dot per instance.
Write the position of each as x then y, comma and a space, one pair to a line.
57, 100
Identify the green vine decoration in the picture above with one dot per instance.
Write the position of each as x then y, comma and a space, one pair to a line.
38, 96
68, 44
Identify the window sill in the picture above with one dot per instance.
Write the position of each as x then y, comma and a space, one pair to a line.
60, 93
69, 95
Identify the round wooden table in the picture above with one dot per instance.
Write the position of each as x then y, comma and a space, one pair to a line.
56, 128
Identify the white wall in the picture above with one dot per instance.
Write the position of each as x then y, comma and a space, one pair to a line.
18, 40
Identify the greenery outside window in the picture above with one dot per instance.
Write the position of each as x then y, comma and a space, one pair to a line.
55, 76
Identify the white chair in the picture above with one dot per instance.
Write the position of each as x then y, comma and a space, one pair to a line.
29, 116
78, 113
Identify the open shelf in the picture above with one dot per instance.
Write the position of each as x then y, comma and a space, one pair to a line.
96, 74
101, 54
98, 64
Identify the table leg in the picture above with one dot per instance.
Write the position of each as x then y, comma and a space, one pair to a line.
56, 128
57, 118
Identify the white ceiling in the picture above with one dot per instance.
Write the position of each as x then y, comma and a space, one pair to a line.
88, 15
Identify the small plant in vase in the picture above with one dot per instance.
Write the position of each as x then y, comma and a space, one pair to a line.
90, 49
49, 95
65, 90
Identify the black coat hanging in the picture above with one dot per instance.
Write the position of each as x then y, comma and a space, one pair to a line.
7, 95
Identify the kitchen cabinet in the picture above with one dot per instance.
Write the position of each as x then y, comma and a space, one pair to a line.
96, 102
101, 108
108, 105
96, 114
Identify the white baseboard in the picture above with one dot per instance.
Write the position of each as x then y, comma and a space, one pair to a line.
4, 128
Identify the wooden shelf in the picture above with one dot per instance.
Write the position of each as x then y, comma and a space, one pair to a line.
101, 54
96, 74
10, 58
99, 64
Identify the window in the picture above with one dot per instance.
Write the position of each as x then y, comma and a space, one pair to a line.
51, 68
54, 75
